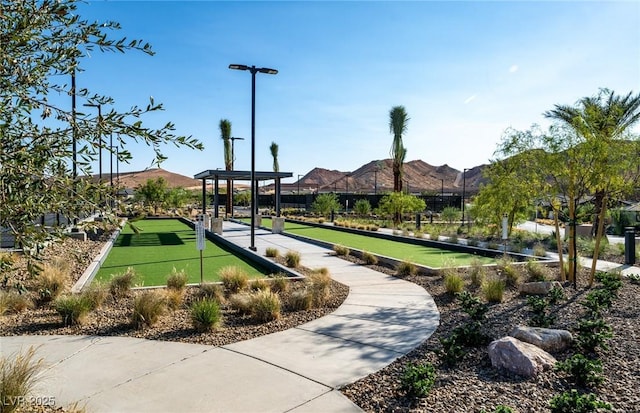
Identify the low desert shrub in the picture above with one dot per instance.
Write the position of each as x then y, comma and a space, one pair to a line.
452, 351
234, 279
177, 280
265, 306
472, 305
493, 290
12, 302
583, 371
418, 379
540, 314
593, 335
369, 258
341, 250
574, 402
73, 308
120, 284
272, 252
148, 307
292, 259
301, 299
19, 373
205, 314
405, 268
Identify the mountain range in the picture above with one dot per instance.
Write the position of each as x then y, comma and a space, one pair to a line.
375, 176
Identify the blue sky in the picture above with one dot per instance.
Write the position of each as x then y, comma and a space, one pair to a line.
464, 71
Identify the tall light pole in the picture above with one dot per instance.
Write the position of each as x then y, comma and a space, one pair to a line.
74, 126
464, 185
299, 183
99, 106
375, 181
253, 71
442, 192
233, 161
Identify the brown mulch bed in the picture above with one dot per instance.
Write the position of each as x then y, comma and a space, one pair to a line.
474, 385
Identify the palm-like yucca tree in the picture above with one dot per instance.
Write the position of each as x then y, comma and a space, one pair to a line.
225, 134
398, 120
601, 121
274, 153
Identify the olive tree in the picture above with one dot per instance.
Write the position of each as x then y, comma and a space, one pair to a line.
46, 147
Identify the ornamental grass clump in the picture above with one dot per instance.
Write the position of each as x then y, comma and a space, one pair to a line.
300, 300
341, 250
509, 271
241, 302
174, 298
177, 280
292, 259
280, 283
319, 285
493, 290
211, 291
205, 314
272, 252
148, 307
369, 258
234, 279
121, 284
73, 309
405, 268
96, 294
12, 302
478, 272
265, 306
19, 374
536, 271
51, 282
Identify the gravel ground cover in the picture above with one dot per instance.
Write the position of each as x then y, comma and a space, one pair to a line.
474, 385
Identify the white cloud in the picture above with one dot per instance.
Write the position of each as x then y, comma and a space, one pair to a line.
513, 69
470, 99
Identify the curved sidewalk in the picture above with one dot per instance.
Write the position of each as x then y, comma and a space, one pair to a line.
297, 370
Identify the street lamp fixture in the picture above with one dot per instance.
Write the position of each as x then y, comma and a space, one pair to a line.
233, 157
253, 71
99, 106
464, 185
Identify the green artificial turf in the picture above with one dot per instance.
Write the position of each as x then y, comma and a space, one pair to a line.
418, 254
162, 245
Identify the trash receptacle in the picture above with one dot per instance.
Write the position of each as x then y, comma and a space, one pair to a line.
629, 246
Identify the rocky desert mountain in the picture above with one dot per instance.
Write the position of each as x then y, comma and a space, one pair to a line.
419, 176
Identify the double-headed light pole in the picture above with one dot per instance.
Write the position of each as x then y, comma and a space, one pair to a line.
253, 71
99, 106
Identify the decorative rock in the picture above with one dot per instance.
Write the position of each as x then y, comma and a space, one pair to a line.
546, 338
519, 357
540, 287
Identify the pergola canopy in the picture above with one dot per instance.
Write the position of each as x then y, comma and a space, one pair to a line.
219, 174
241, 175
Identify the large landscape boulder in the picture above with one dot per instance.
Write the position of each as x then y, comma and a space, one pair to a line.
518, 357
547, 339
539, 287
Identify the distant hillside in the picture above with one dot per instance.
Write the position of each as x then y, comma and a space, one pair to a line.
134, 179
418, 175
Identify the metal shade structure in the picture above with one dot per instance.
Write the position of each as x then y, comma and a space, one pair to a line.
254, 176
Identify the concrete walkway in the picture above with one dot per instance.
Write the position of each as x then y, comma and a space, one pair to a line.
297, 370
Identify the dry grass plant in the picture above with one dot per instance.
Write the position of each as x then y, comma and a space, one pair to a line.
148, 307
19, 374
234, 279
292, 259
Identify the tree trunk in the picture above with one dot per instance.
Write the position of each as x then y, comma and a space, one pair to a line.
599, 204
599, 234
572, 240
556, 223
